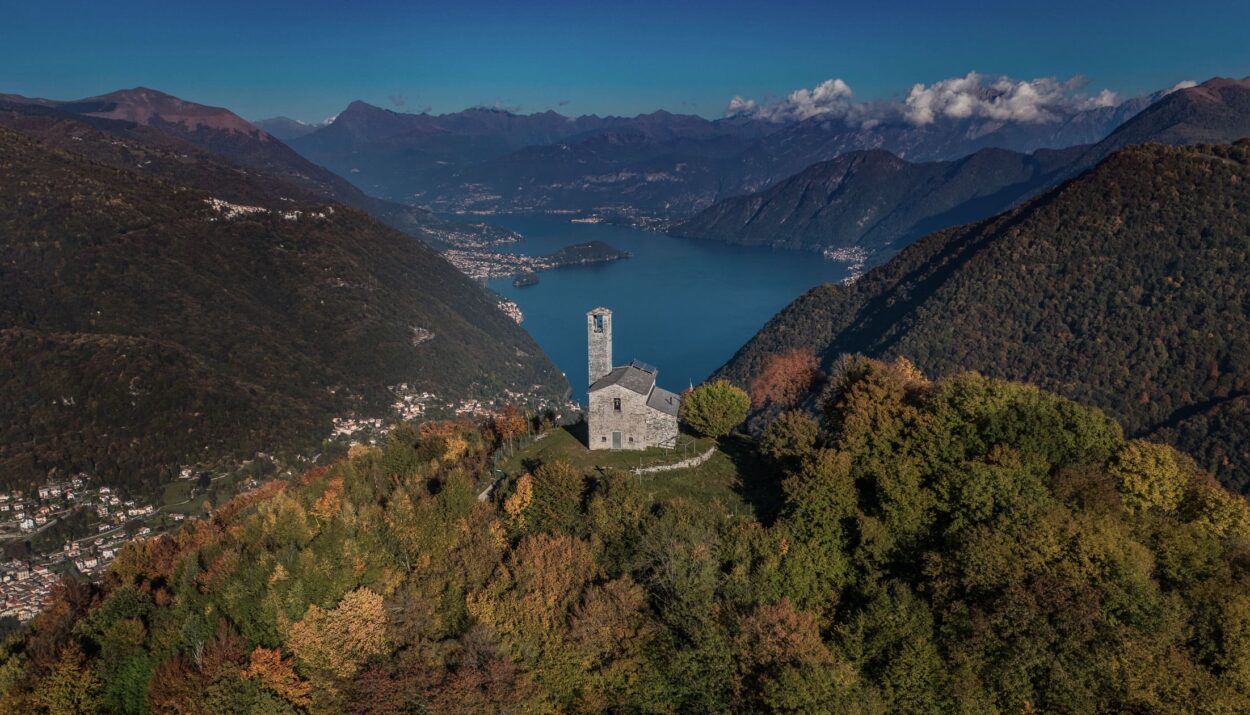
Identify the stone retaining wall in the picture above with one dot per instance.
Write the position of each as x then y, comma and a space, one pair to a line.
683, 464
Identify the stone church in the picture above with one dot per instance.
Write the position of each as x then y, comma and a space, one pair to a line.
627, 409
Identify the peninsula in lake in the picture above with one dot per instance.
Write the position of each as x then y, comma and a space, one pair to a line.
484, 263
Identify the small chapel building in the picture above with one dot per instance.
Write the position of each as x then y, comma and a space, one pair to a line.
627, 409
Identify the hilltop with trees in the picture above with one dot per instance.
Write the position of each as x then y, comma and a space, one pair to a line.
965, 545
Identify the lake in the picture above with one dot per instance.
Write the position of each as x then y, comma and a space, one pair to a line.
683, 305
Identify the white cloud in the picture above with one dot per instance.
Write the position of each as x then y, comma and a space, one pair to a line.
998, 98
1183, 84
1001, 98
833, 96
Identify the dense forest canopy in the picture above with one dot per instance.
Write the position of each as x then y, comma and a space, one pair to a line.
966, 545
1124, 288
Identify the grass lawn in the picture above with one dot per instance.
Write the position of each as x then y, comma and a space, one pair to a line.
176, 496
733, 478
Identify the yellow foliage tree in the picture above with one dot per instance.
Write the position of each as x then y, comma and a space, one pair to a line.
516, 504
339, 641
1150, 476
70, 688
1213, 508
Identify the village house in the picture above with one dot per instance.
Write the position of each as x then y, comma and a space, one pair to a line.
627, 409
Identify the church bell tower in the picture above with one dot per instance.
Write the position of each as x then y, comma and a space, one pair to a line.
599, 343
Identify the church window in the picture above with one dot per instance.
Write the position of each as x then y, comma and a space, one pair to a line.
598, 323
616, 404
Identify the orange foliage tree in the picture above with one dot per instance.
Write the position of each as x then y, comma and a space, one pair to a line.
277, 674
785, 378
510, 423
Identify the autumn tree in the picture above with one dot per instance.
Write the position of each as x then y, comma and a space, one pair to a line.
509, 423
557, 498
71, 688
519, 501
277, 674
340, 640
785, 378
713, 409
784, 665
1150, 476
529, 604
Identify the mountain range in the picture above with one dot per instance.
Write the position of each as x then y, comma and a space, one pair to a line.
878, 202
1123, 288
653, 165
162, 302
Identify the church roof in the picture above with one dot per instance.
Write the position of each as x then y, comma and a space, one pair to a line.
664, 401
631, 377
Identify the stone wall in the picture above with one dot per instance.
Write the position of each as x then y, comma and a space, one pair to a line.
631, 421
661, 429
683, 464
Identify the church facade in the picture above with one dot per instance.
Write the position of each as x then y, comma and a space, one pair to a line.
627, 409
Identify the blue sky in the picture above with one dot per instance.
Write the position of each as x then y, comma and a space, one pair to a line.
309, 59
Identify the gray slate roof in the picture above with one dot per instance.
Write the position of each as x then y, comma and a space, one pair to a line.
632, 377
664, 401
629, 377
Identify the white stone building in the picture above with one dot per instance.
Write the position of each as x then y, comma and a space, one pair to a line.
627, 409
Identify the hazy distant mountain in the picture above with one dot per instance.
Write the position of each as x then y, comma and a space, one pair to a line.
875, 200
469, 159
285, 128
159, 306
658, 164
879, 202
1123, 288
798, 146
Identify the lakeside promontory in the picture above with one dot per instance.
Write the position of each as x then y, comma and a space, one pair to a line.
484, 264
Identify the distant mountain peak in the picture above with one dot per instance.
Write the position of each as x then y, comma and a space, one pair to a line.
146, 106
360, 105
286, 128
1211, 88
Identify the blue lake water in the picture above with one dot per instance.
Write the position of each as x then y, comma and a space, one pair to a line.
683, 305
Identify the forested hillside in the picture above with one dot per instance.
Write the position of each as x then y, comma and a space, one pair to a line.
967, 546
191, 310
1124, 288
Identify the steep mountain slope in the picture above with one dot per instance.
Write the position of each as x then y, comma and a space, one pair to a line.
1124, 288
880, 203
874, 200
1214, 112
224, 134
151, 317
